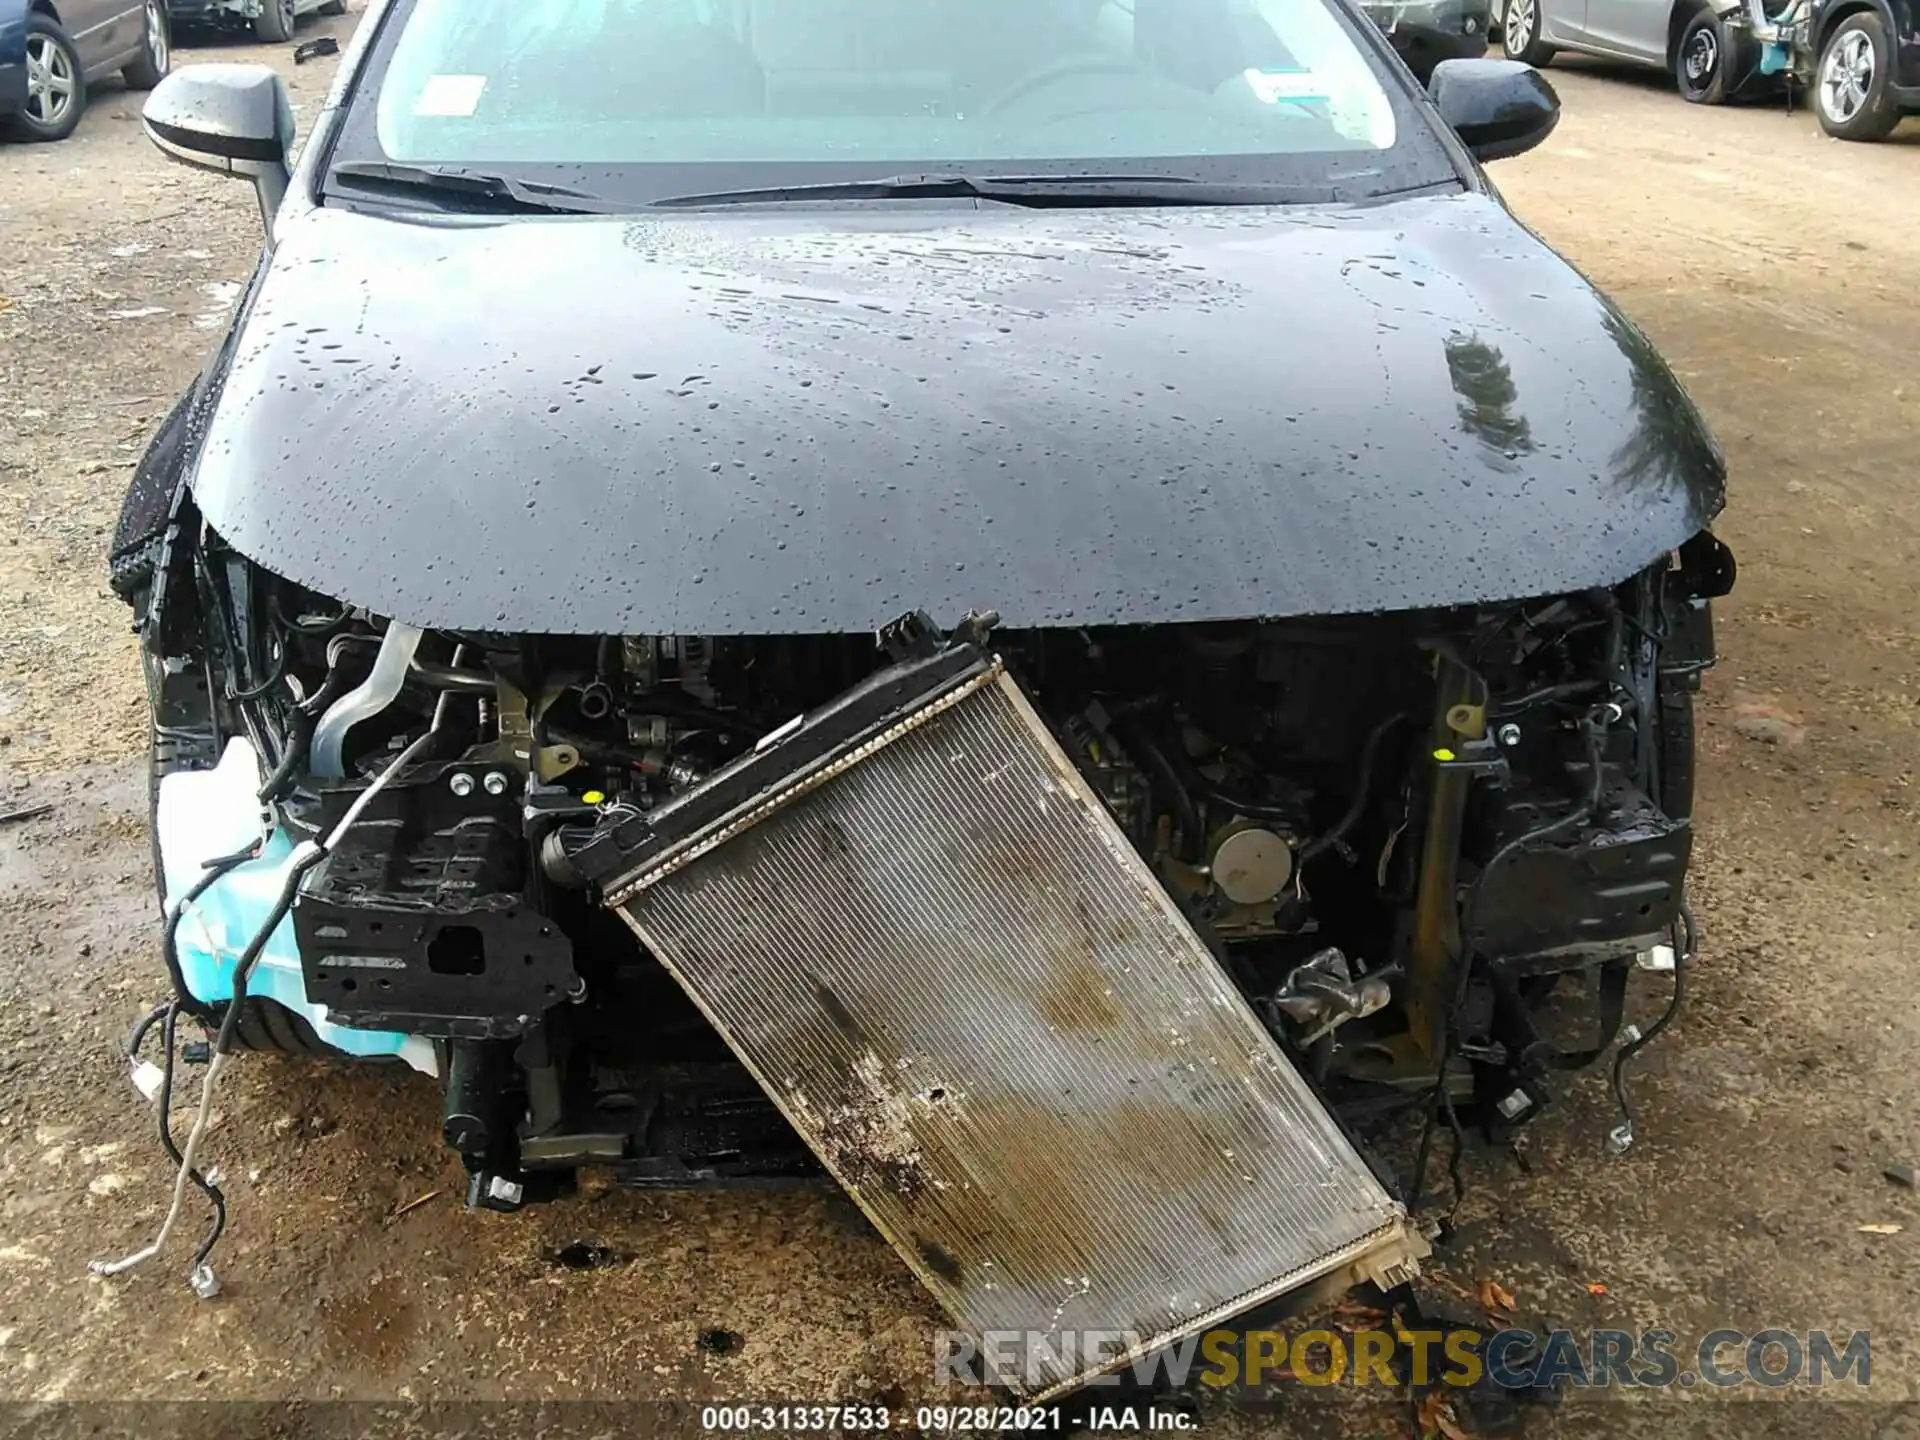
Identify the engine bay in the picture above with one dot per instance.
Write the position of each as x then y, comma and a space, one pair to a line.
1391, 830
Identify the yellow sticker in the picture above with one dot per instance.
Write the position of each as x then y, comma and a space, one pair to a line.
593, 797
1443, 755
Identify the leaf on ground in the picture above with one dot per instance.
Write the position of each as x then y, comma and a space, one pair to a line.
1437, 1418
1496, 1299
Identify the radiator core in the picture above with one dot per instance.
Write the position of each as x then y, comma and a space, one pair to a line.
970, 995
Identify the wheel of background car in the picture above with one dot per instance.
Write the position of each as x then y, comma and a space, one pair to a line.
274, 23
157, 52
1710, 61
1520, 32
56, 93
1852, 88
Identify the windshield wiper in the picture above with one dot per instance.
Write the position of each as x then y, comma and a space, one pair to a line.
470, 188
1035, 190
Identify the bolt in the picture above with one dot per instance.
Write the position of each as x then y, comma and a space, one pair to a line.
1508, 735
1620, 1139
1515, 1105
460, 783
496, 782
204, 1282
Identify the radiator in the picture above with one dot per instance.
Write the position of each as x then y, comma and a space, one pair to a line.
917, 926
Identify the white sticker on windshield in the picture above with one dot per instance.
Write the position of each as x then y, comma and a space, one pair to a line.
1274, 86
450, 95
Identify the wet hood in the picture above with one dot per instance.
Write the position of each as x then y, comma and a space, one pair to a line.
789, 421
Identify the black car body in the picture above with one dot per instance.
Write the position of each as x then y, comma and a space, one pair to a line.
1350, 542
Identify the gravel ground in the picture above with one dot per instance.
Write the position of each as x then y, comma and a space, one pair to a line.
1772, 266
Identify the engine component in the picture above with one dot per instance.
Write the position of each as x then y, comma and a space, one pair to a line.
1322, 994
1250, 864
419, 920
367, 699
916, 925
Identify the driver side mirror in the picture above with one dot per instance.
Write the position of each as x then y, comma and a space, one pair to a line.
230, 119
1497, 107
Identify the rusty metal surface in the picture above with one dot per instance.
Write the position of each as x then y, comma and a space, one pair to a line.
974, 1001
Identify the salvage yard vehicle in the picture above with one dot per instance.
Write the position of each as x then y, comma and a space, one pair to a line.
1843, 51
50, 54
990, 605
271, 21
1425, 32
1701, 43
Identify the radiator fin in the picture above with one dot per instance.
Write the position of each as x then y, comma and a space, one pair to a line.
976, 1003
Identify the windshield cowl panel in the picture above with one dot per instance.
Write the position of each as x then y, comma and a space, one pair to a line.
628, 102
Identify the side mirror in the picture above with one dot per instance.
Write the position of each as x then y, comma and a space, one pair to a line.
1497, 107
231, 119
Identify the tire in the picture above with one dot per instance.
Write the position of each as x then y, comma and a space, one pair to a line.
1711, 61
156, 49
54, 64
1520, 33
269, 1027
274, 24
1852, 87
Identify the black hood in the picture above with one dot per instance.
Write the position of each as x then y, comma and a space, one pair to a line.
792, 420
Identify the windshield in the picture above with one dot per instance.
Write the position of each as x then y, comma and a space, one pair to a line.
654, 98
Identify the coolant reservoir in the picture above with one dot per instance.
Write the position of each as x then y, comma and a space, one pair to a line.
203, 814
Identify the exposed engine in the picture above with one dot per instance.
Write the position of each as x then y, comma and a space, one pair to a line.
1387, 827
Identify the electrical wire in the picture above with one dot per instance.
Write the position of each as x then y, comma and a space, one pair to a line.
192, 1150
165, 1115
138, 1035
1363, 787
1686, 936
211, 871
305, 857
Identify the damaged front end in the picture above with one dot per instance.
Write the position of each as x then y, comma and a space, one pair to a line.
1162, 916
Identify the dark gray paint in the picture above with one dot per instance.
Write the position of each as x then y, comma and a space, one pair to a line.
811, 420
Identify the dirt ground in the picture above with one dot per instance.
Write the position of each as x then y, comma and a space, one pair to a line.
1775, 270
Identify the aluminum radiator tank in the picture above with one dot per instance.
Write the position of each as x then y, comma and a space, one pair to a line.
919, 929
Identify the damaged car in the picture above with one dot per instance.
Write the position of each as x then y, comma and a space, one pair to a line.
987, 600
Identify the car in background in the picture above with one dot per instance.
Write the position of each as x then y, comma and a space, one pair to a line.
272, 21
50, 53
1425, 32
1843, 51
1862, 83
1709, 51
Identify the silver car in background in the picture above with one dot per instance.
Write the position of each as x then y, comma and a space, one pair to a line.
1711, 60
